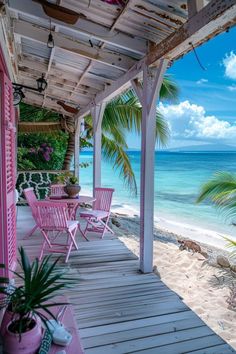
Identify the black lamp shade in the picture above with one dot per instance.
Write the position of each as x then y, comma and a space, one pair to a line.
41, 83
50, 43
17, 95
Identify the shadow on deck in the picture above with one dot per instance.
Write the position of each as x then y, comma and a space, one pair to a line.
119, 310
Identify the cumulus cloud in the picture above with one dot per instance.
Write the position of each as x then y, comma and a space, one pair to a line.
201, 81
229, 63
190, 121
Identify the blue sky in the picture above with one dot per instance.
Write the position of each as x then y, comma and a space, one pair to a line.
206, 109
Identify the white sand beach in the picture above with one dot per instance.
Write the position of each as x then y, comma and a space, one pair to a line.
203, 286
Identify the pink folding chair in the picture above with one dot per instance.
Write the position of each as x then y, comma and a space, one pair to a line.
97, 218
31, 200
52, 219
57, 190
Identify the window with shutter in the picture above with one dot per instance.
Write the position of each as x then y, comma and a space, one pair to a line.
7, 176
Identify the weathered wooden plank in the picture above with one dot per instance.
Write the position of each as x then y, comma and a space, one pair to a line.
219, 349
140, 323
137, 345
128, 315
201, 344
122, 336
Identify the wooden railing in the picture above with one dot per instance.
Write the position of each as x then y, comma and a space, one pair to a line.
40, 180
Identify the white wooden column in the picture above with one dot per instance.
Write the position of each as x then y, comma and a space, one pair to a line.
97, 115
77, 146
148, 95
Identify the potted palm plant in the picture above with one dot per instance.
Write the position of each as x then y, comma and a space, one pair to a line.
72, 187
28, 305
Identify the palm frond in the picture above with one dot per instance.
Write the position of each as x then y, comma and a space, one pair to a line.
169, 89
162, 130
116, 154
221, 191
124, 114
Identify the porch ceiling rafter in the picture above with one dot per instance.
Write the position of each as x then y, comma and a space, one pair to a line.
33, 64
214, 18
106, 57
84, 26
54, 87
102, 45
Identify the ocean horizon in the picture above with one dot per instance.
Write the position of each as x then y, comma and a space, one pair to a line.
178, 179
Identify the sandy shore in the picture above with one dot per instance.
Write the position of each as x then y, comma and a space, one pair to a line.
203, 287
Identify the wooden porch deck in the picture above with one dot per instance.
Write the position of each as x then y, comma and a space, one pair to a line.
119, 310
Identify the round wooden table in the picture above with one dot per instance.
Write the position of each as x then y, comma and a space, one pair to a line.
73, 203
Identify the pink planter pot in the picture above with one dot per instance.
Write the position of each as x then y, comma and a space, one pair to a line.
7, 318
29, 344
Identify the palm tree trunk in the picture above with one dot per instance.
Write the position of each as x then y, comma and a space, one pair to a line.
69, 152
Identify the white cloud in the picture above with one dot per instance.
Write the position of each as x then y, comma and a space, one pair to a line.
201, 81
190, 121
232, 88
229, 63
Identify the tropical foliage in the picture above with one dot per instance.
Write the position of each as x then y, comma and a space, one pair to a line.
41, 151
123, 115
221, 191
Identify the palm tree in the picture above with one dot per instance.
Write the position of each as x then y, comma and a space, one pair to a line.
123, 114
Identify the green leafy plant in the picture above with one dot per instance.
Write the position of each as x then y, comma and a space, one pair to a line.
221, 191
63, 178
73, 180
40, 283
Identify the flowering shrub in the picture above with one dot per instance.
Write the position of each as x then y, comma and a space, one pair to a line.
44, 150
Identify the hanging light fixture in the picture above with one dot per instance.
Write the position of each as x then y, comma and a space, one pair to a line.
42, 84
50, 42
18, 94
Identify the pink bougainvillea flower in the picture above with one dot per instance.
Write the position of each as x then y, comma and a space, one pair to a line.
115, 2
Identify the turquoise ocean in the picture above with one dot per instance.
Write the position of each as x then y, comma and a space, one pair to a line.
178, 177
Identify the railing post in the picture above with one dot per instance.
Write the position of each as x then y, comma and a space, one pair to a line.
77, 147
97, 115
148, 94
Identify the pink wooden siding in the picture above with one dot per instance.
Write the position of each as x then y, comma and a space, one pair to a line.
7, 176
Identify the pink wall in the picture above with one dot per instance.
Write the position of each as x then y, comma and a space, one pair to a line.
7, 171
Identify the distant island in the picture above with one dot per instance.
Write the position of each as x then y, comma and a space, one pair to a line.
204, 148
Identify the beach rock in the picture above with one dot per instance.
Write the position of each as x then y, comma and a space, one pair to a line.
233, 268
115, 222
223, 261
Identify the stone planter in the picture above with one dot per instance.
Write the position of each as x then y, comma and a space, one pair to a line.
72, 190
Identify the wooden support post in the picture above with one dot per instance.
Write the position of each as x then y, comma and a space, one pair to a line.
149, 94
77, 147
194, 6
97, 114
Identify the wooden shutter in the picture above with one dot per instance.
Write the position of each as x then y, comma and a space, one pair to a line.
7, 176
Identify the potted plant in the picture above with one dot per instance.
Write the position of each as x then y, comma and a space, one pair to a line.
62, 178
72, 187
28, 305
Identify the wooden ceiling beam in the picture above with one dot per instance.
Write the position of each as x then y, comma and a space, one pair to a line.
214, 18
85, 27
211, 20
30, 63
106, 57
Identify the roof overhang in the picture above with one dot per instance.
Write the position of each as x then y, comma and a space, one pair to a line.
94, 59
